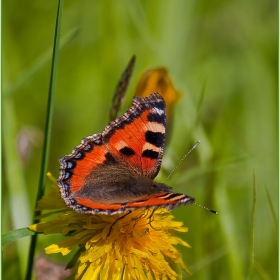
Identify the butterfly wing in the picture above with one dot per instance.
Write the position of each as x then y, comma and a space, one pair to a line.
110, 169
137, 137
168, 200
77, 166
92, 181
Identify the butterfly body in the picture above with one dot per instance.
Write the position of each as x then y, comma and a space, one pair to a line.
113, 171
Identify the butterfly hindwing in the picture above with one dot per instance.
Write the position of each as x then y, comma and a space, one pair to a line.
77, 166
164, 199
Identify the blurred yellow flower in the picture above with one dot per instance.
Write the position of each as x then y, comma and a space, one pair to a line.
132, 245
158, 80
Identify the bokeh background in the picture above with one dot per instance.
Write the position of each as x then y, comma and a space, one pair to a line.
222, 56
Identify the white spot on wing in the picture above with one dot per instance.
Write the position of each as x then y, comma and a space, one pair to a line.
156, 127
158, 111
149, 146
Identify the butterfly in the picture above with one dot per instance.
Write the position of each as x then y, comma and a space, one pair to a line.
113, 171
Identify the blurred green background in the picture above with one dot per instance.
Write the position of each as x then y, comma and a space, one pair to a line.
223, 57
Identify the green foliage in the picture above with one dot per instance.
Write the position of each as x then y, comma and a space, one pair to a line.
16, 234
222, 56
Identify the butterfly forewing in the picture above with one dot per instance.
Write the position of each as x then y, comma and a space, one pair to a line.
137, 137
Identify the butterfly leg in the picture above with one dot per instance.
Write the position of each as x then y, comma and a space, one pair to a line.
126, 214
151, 218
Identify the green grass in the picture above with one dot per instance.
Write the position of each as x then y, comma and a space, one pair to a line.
222, 56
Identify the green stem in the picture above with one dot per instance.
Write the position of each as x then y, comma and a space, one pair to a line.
47, 137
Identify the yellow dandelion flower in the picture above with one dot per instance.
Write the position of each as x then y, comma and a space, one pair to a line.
134, 245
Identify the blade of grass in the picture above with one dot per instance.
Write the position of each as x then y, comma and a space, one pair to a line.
47, 137
1, 137
273, 214
207, 260
15, 179
261, 271
252, 249
16, 234
234, 265
140, 21
39, 64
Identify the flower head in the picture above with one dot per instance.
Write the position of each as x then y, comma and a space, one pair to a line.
132, 245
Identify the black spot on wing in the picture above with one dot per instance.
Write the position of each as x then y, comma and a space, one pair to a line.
126, 151
150, 154
152, 117
159, 104
155, 138
109, 159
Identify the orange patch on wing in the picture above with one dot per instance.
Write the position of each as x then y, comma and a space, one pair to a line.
134, 136
93, 205
84, 167
76, 182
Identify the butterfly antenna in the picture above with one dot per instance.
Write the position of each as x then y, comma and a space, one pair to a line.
195, 145
212, 211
